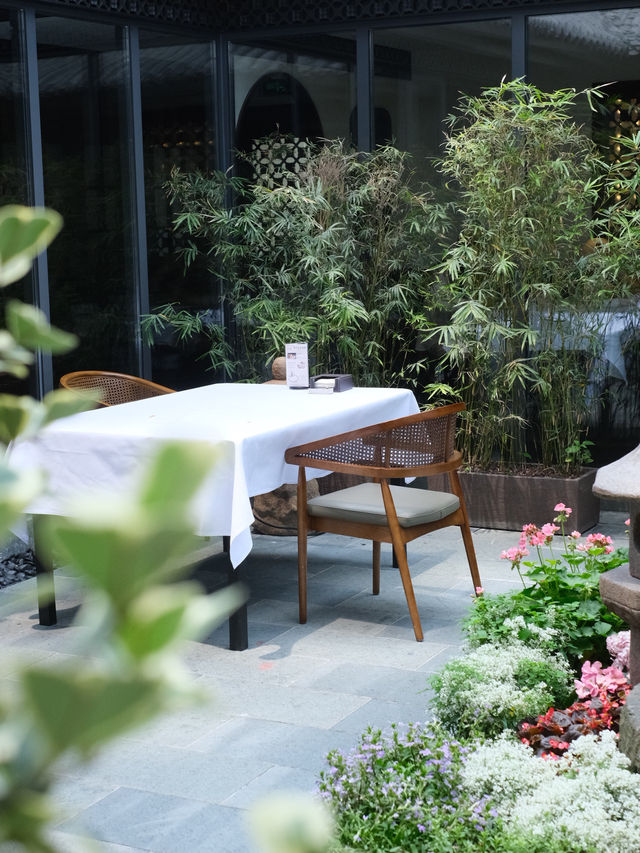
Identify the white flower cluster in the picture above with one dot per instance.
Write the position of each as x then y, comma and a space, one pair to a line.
588, 795
478, 692
545, 638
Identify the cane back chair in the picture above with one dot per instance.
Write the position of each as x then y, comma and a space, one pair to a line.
415, 446
114, 388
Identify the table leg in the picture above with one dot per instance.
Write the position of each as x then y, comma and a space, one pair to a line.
396, 481
44, 578
238, 628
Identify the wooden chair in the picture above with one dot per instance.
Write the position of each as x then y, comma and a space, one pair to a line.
416, 446
114, 388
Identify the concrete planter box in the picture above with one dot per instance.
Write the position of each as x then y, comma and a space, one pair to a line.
507, 501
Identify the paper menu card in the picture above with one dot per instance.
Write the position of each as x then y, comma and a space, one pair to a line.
297, 365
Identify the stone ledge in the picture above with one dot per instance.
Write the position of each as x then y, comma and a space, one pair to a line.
621, 593
629, 742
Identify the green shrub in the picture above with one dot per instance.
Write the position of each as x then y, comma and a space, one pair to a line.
508, 617
529, 674
494, 686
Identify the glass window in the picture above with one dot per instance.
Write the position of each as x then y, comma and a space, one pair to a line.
302, 86
419, 73
586, 49
81, 71
178, 130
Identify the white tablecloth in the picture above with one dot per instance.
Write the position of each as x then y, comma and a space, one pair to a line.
250, 425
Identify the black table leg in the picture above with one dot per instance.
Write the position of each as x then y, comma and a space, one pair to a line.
395, 481
44, 579
394, 561
238, 628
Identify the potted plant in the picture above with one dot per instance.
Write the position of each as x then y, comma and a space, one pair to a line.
522, 341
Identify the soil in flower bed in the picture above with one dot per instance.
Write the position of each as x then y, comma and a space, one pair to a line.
17, 567
530, 469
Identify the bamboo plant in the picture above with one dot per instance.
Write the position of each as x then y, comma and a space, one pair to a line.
337, 258
522, 341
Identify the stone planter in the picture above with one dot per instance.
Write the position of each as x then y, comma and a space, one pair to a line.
507, 501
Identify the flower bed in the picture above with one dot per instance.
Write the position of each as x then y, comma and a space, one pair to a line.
522, 754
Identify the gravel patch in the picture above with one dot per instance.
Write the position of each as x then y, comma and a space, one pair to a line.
17, 567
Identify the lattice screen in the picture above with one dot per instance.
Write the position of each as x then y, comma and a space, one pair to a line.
259, 14
277, 160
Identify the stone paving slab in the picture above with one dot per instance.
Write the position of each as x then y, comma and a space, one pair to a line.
167, 824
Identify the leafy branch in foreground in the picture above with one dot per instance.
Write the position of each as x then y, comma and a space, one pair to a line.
124, 552
134, 622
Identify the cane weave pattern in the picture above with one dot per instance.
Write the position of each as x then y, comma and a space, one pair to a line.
403, 445
114, 388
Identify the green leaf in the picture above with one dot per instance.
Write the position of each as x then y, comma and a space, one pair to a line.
62, 403
17, 490
18, 415
24, 233
174, 477
122, 555
14, 359
78, 710
30, 328
162, 616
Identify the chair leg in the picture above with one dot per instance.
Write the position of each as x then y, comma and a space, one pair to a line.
400, 552
466, 531
302, 546
471, 555
405, 576
376, 568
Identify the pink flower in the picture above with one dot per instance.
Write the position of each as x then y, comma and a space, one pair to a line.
575, 534
528, 531
596, 681
514, 555
479, 591
618, 647
599, 540
548, 530
563, 513
628, 522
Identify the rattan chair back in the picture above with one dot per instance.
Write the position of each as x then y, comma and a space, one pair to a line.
114, 388
417, 445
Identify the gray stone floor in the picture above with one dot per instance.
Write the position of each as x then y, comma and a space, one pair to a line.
183, 783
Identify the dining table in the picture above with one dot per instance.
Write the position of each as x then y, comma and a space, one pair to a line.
251, 426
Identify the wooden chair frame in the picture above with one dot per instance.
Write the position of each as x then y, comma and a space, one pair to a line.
116, 387
382, 442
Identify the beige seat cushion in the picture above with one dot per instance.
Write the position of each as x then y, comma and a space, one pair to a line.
364, 504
